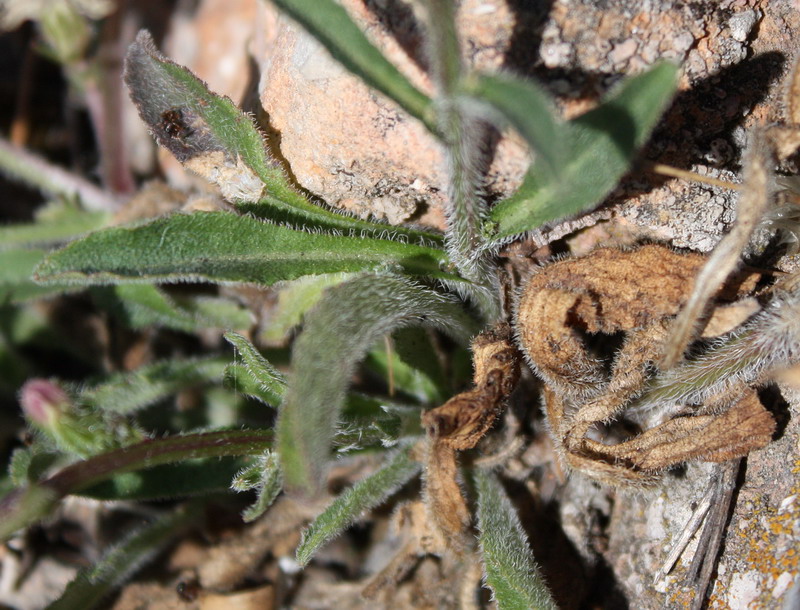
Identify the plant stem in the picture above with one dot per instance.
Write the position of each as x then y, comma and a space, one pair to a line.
52, 180
461, 135
25, 506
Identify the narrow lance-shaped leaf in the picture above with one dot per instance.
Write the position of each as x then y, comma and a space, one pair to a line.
601, 146
338, 332
526, 106
117, 564
461, 134
351, 504
255, 376
510, 570
330, 24
53, 225
224, 247
131, 391
295, 299
210, 136
141, 305
203, 130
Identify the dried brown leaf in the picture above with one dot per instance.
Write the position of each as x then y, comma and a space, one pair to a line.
446, 507
464, 419
607, 291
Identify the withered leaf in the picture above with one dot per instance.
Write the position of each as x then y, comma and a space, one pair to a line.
464, 419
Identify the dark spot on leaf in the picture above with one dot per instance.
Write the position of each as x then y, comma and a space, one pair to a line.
174, 124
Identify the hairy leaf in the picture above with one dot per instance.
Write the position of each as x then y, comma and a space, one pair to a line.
295, 299
255, 376
205, 131
16, 269
328, 22
351, 504
527, 107
510, 570
210, 136
224, 247
131, 391
144, 305
117, 564
461, 134
268, 482
338, 332
601, 145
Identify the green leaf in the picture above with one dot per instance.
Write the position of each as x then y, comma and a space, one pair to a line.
255, 376
411, 364
351, 504
203, 130
600, 148
212, 137
510, 570
131, 391
527, 107
16, 271
294, 300
224, 247
25, 506
122, 560
143, 305
190, 478
330, 25
346, 323
267, 478
54, 224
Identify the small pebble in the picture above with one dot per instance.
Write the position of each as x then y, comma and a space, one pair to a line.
624, 51
741, 24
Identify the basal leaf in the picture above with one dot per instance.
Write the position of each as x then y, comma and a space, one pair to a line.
255, 376
144, 305
328, 22
16, 270
351, 504
528, 108
224, 247
346, 323
212, 137
53, 225
601, 145
510, 570
122, 560
294, 300
205, 131
135, 390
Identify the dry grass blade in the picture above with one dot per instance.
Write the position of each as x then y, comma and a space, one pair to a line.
755, 196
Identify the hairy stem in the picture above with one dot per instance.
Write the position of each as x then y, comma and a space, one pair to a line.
461, 135
25, 506
52, 180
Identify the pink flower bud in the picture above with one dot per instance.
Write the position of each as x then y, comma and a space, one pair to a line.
42, 401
